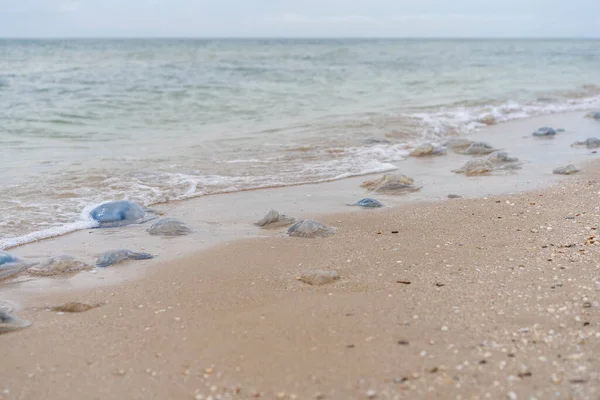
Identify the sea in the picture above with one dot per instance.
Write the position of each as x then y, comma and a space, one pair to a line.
87, 121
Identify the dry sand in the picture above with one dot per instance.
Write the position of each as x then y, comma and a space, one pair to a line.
471, 298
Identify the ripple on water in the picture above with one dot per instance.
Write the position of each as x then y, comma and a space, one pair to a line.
110, 120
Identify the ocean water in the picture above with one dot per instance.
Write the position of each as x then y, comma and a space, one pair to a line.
87, 121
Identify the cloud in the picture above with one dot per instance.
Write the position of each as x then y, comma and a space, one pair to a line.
449, 18
69, 7
400, 25
303, 19
445, 19
299, 18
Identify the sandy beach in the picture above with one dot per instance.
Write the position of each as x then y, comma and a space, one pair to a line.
160, 162
492, 297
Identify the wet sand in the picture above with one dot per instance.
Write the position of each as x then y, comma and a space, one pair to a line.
498, 305
482, 297
223, 218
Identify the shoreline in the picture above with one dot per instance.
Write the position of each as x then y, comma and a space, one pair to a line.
220, 219
478, 279
496, 134
498, 305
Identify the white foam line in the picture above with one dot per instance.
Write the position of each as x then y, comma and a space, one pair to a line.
469, 119
86, 222
45, 234
465, 120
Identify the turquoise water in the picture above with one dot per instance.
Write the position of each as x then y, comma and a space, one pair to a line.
85, 121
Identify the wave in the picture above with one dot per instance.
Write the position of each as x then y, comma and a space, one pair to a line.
310, 163
86, 222
249, 161
192, 183
469, 119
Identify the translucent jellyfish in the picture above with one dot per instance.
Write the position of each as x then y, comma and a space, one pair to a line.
10, 322
590, 143
120, 213
499, 157
428, 149
392, 184
74, 307
458, 144
478, 149
367, 203
11, 265
319, 277
567, 170
274, 219
544, 132
309, 228
476, 166
169, 227
58, 265
116, 256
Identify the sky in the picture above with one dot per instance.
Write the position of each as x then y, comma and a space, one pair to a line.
300, 18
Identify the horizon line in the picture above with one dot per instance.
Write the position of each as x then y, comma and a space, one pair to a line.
301, 38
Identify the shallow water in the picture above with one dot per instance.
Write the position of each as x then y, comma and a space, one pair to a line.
221, 219
86, 121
